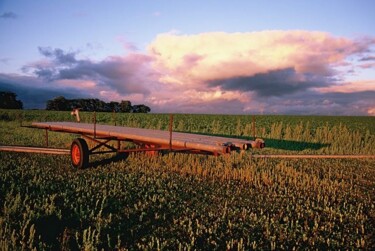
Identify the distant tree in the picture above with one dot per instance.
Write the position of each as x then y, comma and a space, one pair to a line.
63, 104
114, 106
126, 106
58, 104
141, 109
98, 105
8, 101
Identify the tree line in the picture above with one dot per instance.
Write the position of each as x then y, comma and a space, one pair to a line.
8, 100
63, 104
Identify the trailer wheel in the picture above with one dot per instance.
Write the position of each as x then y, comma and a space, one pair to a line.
79, 153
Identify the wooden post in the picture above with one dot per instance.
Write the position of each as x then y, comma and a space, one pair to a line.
254, 135
118, 145
94, 124
114, 116
170, 131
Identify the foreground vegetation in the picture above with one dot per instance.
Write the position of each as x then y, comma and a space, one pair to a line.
180, 201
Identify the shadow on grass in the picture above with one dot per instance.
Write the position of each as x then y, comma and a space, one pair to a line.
281, 144
107, 161
293, 145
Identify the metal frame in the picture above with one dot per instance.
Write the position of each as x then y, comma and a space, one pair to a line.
141, 146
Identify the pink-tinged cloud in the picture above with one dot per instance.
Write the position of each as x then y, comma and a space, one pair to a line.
350, 87
281, 72
371, 111
261, 72
195, 59
128, 46
76, 84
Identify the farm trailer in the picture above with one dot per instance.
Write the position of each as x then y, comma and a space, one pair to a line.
146, 140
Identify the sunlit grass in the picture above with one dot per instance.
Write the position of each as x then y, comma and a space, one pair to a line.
184, 201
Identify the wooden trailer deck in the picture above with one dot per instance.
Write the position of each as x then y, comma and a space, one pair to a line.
153, 138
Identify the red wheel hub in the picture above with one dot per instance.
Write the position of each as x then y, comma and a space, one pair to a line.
76, 154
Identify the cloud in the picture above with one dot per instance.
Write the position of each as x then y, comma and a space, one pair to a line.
33, 92
277, 72
128, 46
127, 75
309, 102
58, 55
368, 62
371, 111
272, 83
349, 87
368, 58
9, 15
234, 55
315, 103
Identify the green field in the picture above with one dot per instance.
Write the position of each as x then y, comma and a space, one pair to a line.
188, 202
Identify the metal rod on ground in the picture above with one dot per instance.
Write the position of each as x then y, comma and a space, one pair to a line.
28, 149
170, 131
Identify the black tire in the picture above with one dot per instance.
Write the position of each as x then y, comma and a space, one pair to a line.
79, 153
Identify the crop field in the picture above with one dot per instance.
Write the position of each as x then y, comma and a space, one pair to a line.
177, 201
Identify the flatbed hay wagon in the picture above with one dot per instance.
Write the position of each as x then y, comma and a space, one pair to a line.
146, 140
109, 139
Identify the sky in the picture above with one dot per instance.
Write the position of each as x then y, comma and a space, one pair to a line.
209, 57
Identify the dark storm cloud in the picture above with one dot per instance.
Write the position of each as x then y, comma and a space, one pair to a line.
272, 83
311, 102
59, 55
349, 99
8, 15
31, 91
126, 75
59, 61
45, 73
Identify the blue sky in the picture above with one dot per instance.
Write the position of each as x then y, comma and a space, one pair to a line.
115, 53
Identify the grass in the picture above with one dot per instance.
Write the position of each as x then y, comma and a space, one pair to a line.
181, 201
